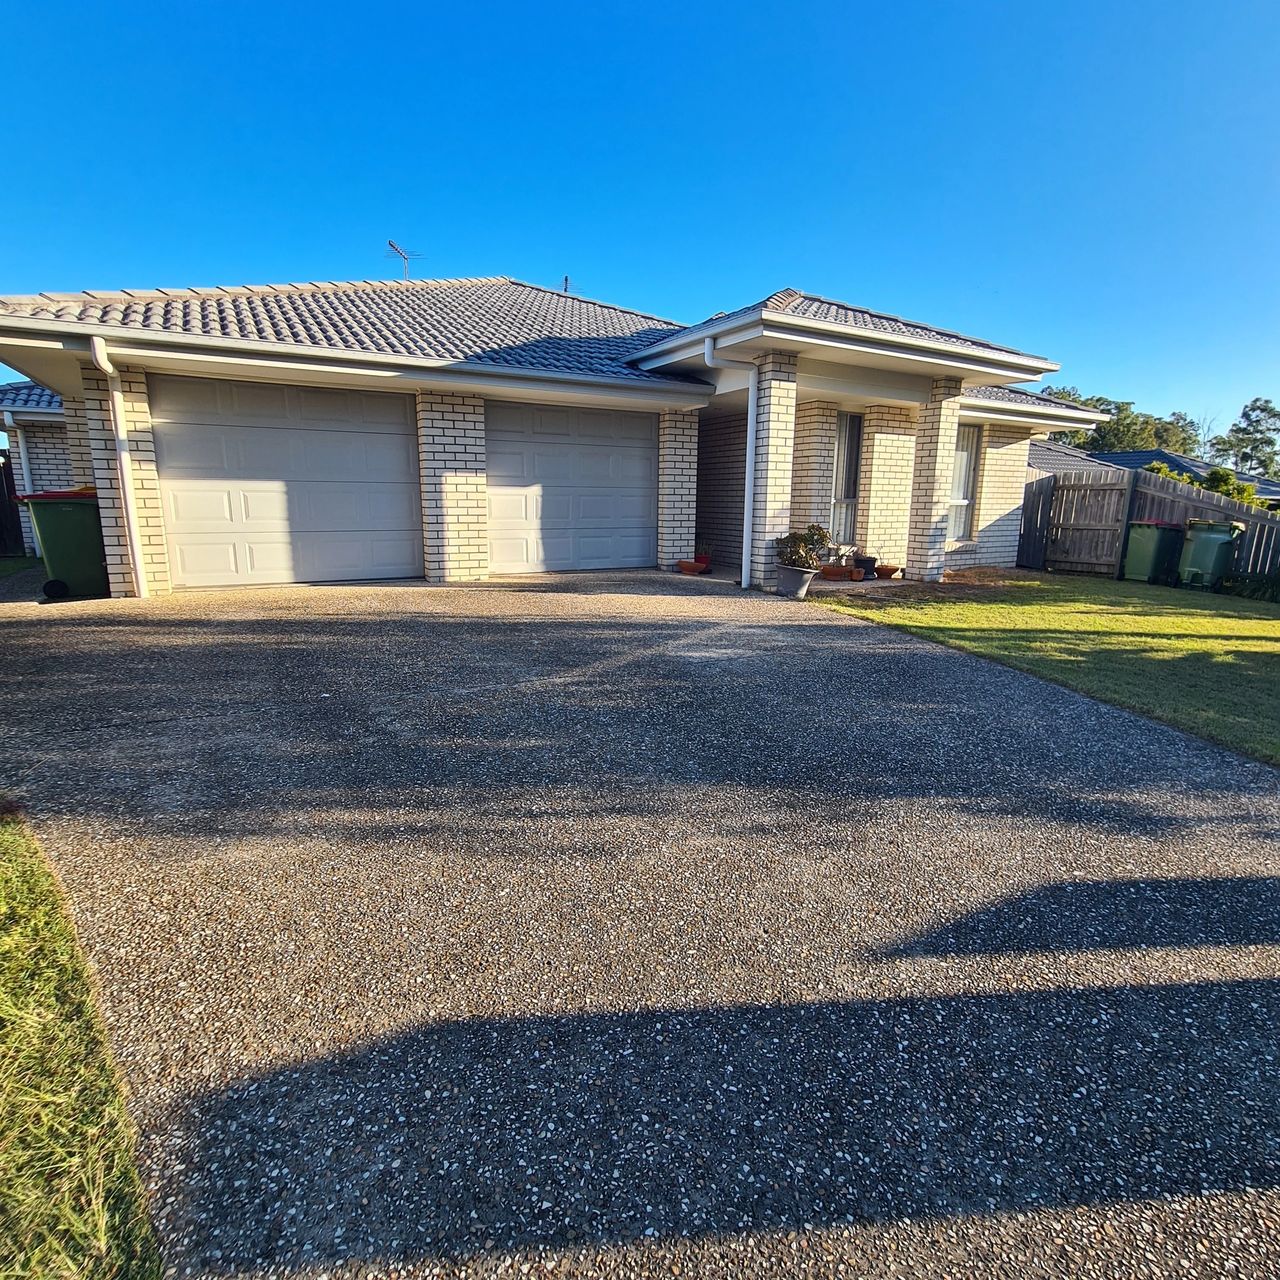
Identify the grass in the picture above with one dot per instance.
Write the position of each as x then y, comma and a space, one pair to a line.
71, 1203
15, 564
1204, 663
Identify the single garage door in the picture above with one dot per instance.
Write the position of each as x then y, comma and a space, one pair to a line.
570, 488
264, 483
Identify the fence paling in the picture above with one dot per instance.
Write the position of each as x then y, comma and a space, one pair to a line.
1077, 520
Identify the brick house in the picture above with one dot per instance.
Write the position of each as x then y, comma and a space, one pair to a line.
458, 429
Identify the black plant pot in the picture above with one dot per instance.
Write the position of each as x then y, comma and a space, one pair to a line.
866, 563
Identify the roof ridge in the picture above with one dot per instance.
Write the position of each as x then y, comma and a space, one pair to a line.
244, 290
595, 302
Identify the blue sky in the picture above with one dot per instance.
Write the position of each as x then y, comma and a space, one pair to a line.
1096, 182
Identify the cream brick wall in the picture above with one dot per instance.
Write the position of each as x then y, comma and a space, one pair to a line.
455, 498
722, 454
933, 464
884, 481
50, 467
813, 463
78, 440
146, 484
775, 442
677, 485
1002, 477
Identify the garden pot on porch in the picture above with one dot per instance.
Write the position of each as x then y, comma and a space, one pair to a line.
887, 570
794, 583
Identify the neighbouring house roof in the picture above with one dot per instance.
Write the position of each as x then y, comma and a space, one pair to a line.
1137, 459
493, 321
16, 396
1049, 456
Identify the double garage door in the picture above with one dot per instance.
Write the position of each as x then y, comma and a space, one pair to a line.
262, 483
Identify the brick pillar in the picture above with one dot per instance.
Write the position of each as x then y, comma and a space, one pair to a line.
78, 440
935, 454
677, 485
813, 460
455, 498
884, 481
775, 441
105, 461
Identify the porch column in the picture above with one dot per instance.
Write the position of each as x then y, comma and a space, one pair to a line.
935, 455
775, 441
78, 451
884, 481
455, 491
813, 463
104, 460
677, 485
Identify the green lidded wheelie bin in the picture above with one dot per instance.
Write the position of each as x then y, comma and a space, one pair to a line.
1207, 552
1151, 554
70, 533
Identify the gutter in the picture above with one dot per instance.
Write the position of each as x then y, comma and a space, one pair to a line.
749, 482
115, 399
24, 458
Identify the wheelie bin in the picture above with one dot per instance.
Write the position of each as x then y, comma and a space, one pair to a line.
70, 533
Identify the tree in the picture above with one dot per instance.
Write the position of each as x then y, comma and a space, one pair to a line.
1251, 444
1217, 480
1128, 428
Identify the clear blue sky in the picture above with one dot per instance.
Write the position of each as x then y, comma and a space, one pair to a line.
1097, 182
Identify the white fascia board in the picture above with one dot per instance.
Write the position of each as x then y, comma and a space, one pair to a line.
688, 346
36, 417
1047, 419
150, 347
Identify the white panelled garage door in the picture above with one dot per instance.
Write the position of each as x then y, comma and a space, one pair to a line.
264, 483
570, 488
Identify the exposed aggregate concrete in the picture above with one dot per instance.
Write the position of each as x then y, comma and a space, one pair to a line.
626, 925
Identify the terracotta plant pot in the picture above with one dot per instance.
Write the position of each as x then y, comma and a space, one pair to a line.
887, 570
835, 572
691, 566
703, 560
856, 575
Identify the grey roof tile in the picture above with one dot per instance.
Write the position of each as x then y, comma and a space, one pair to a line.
1016, 395
1048, 455
493, 321
15, 396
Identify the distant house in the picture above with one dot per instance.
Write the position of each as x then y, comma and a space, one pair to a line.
1139, 459
1047, 457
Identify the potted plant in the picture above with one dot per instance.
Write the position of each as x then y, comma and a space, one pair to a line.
702, 553
866, 563
798, 560
884, 569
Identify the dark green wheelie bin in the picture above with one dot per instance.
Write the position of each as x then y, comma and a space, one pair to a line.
1152, 552
70, 533
1208, 552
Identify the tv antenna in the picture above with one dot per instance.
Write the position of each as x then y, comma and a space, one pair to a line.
403, 254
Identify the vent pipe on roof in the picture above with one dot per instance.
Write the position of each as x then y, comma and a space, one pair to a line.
715, 361
115, 400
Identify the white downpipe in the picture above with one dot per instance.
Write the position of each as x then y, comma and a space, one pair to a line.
23, 457
98, 350
715, 361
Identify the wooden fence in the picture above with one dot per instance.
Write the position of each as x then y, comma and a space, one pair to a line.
1078, 520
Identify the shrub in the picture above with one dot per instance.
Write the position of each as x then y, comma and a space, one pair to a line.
800, 550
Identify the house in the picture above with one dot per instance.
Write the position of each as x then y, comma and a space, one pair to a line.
1048, 457
31, 416
1139, 459
457, 429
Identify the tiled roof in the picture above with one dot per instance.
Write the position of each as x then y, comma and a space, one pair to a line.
1016, 395
15, 396
1048, 455
492, 321
1137, 459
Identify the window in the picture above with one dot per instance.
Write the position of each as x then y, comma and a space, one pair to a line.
844, 497
964, 484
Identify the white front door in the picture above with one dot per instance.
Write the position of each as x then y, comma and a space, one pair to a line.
570, 488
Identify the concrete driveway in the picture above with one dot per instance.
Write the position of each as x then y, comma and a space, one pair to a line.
628, 925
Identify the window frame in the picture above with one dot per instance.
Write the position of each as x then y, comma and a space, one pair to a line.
966, 501
846, 474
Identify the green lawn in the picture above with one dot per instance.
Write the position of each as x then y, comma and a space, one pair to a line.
71, 1205
1207, 664
15, 564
